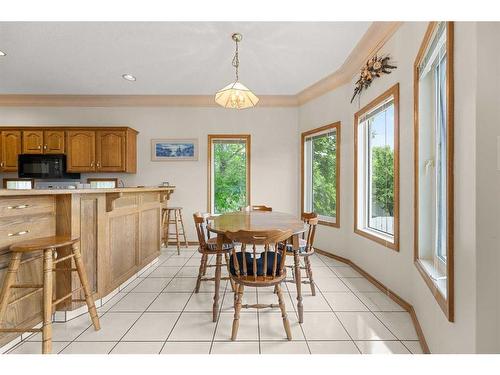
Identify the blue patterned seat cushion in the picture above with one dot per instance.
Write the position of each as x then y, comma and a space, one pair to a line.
260, 263
289, 247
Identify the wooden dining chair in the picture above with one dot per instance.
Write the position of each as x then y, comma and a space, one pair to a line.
256, 208
258, 267
306, 249
208, 246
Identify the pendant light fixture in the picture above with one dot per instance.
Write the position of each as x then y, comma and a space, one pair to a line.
236, 95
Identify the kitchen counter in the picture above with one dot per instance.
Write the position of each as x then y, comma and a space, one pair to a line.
119, 231
12, 192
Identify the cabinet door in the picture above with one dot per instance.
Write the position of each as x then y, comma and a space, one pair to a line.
10, 148
81, 151
32, 141
110, 151
53, 142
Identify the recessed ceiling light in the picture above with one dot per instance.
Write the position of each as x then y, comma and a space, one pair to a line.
129, 77
2, 53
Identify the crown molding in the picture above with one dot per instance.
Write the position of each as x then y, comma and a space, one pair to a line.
28, 100
375, 37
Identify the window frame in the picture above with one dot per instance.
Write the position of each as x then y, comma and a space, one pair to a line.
309, 133
371, 234
212, 137
446, 303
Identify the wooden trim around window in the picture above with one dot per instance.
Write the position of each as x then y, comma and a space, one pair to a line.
446, 303
336, 126
211, 137
393, 91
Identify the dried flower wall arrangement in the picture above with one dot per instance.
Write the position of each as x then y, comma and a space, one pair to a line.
374, 67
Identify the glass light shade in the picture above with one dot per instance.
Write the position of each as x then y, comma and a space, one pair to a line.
236, 95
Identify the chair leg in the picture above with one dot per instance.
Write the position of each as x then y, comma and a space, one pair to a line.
200, 272
229, 272
80, 268
183, 231
218, 266
310, 275
298, 282
286, 323
176, 217
47, 302
238, 296
167, 229
163, 228
8, 281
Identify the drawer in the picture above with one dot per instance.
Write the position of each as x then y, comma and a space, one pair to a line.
26, 205
15, 229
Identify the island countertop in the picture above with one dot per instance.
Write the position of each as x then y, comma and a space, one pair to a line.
20, 192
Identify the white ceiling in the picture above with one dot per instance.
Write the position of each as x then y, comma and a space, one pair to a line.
170, 58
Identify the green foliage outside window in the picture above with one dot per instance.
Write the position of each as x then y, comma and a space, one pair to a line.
383, 179
230, 173
324, 168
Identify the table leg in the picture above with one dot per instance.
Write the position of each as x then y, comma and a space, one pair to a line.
218, 266
298, 280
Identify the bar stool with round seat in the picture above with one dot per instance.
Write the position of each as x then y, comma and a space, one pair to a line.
173, 215
49, 247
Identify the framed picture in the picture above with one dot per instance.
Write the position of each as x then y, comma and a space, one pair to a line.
174, 149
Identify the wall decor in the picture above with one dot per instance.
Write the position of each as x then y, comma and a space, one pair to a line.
374, 67
174, 149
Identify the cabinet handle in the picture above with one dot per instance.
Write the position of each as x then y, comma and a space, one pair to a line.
19, 207
92, 164
98, 165
21, 233
1, 164
39, 147
44, 147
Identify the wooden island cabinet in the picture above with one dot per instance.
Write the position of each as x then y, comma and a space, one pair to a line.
88, 149
119, 231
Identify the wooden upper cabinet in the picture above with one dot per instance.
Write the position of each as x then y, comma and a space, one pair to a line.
111, 151
53, 141
10, 148
81, 156
33, 142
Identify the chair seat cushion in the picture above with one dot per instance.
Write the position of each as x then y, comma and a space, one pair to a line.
289, 247
260, 263
212, 245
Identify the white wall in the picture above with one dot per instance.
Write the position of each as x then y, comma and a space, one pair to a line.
274, 146
396, 269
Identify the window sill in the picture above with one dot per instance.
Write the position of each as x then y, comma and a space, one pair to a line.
386, 241
429, 274
329, 223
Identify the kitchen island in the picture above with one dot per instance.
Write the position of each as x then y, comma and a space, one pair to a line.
119, 231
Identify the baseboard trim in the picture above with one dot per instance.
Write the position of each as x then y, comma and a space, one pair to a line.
400, 301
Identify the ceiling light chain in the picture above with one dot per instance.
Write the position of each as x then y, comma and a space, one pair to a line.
236, 58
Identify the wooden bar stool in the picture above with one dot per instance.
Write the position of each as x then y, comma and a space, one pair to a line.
49, 246
173, 215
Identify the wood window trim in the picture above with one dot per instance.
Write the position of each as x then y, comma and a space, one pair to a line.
336, 126
393, 91
446, 303
211, 137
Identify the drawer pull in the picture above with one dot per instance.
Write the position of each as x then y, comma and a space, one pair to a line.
21, 233
19, 207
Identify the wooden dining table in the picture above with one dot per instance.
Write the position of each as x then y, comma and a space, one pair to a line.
264, 221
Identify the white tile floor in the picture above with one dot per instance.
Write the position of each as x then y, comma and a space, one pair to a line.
159, 313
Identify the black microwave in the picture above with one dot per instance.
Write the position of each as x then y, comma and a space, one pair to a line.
44, 166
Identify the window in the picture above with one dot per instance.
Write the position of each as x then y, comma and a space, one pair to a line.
376, 153
228, 172
433, 84
320, 173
